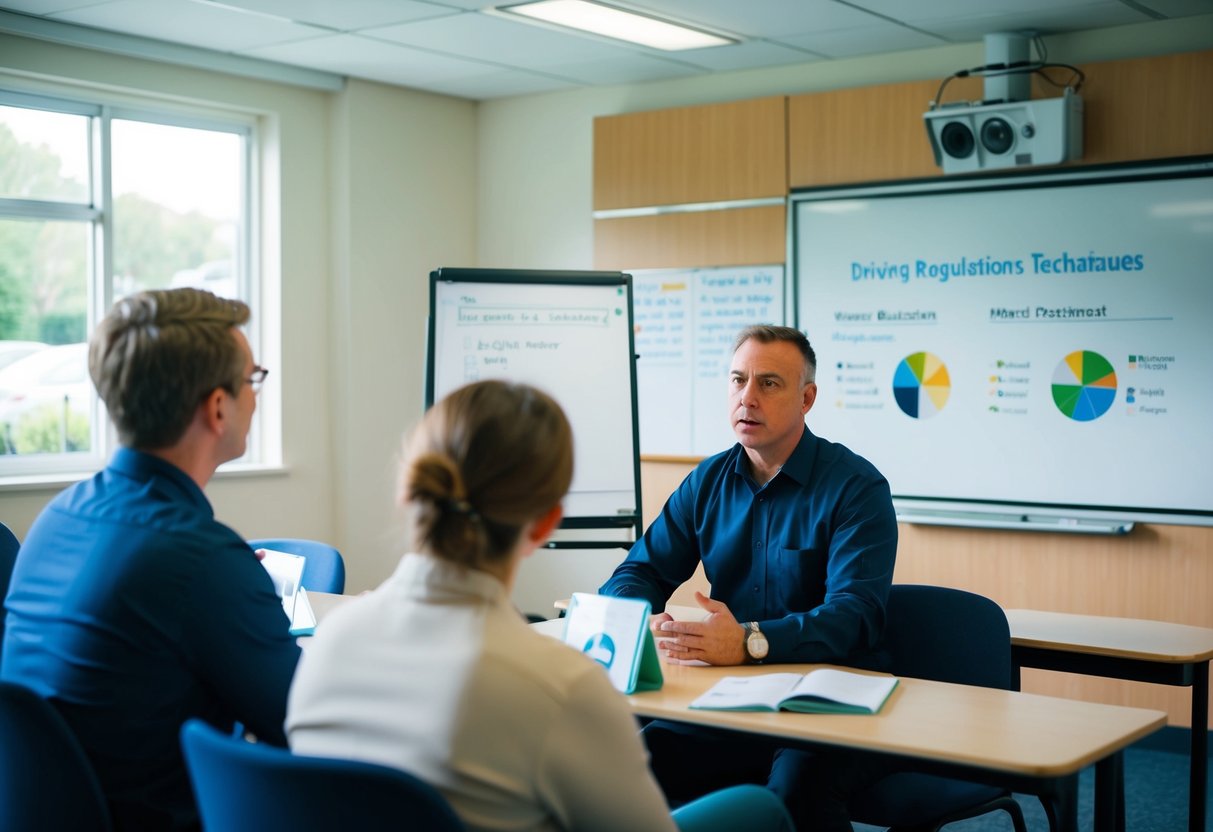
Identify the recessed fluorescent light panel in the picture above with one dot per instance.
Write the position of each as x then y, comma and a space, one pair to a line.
612, 22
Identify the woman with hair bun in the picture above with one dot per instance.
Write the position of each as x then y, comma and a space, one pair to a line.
436, 673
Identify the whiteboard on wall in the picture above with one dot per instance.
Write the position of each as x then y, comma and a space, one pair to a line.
686, 321
1036, 345
567, 333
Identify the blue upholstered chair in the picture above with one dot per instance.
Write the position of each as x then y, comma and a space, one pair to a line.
946, 635
8, 556
324, 570
253, 787
46, 782
737, 807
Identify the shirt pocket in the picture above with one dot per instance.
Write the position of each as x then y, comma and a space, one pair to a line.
801, 580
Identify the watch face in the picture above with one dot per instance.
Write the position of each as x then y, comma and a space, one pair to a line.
756, 646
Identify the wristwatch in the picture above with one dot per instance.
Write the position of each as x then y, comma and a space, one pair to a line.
756, 645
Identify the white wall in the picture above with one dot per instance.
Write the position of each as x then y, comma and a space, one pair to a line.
378, 186
404, 204
536, 166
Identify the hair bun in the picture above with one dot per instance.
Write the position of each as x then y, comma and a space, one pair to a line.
434, 478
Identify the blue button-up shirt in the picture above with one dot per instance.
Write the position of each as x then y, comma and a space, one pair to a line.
809, 555
132, 609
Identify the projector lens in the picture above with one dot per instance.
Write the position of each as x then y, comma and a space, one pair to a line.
956, 139
997, 136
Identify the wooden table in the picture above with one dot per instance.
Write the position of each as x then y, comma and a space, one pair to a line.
1126, 648
1023, 742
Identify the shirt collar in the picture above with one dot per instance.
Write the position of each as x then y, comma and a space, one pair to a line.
434, 579
143, 467
798, 466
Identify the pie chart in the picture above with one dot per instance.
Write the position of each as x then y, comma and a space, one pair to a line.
921, 385
1084, 386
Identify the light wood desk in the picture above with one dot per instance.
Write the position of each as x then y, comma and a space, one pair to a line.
1024, 742
325, 602
1126, 648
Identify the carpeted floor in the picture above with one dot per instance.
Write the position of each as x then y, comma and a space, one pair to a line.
1156, 799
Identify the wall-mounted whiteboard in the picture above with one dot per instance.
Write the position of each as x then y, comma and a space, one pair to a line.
567, 333
1036, 344
686, 321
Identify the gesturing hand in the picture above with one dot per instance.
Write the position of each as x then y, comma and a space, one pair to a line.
717, 639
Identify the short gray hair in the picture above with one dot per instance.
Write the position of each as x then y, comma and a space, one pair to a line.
769, 334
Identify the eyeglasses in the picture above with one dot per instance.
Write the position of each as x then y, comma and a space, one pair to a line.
258, 376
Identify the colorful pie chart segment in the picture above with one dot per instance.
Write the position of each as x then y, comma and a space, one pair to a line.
1084, 386
921, 385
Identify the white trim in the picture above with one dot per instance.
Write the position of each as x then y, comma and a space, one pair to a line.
688, 207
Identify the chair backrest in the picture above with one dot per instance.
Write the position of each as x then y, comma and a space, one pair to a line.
949, 635
8, 556
251, 787
46, 782
324, 570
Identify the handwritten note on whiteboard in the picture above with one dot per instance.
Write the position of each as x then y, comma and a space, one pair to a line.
568, 337
685, 324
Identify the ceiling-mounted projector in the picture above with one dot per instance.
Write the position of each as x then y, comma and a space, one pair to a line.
969, 137
1007, 129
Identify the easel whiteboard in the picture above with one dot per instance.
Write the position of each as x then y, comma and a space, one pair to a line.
686, 322
567, 333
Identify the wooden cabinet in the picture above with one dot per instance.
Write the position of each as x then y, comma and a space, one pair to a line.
723, 153
711, 153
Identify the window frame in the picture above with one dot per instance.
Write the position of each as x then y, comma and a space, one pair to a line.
264, 443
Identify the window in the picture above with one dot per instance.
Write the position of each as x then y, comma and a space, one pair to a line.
99, 200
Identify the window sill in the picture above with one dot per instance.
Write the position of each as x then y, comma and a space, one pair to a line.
60, 480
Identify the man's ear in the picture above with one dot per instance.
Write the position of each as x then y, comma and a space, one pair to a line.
810, 396
213, 411
545, 524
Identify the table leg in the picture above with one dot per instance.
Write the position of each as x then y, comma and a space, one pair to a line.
1110, 793
1061, 805
1199, 765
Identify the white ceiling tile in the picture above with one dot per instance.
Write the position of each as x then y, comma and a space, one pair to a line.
182, 21
453, 47
373, 59
630, 70
868, 40
41, 7
750, 54
1178, 8
500, 41
500, 85
344, 16
759, 18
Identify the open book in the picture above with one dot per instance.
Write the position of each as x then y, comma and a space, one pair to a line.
822, 691
286, 573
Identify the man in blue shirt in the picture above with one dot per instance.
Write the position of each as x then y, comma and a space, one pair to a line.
131, 608
798, 537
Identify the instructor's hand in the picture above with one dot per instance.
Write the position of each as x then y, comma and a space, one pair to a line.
718, 639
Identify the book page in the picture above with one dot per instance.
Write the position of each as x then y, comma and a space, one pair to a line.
286, 574
752, 693
868, 692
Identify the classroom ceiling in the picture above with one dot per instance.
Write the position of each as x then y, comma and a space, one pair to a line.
453, 47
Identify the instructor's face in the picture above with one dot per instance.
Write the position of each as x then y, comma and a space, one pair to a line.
768, 396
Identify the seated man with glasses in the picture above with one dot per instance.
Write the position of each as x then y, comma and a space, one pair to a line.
131, 608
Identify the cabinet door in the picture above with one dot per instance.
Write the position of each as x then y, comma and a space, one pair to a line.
710, 153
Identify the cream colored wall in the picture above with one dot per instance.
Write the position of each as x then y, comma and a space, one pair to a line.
379, 185
376, 186
404, 204
535, 199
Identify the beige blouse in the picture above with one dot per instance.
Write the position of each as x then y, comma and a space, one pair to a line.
436, 673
